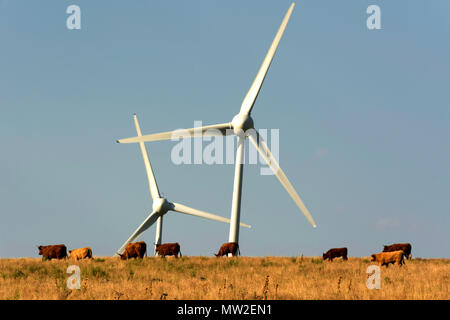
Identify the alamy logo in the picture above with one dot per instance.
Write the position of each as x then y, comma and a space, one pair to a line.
374, 20
221, 148
74, 20
74, 281
374, 280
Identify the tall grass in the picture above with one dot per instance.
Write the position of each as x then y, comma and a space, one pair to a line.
189, 278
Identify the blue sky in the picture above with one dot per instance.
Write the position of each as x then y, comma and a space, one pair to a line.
363, 115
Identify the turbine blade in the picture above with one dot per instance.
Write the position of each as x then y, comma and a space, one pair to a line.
264, 150
212, 130
194, 212
154, 192
252, 94
144, 226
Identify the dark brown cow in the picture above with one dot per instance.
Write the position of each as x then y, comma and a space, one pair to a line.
58, 251
134, 250
168, 249
335, 253
229, 247
405, 247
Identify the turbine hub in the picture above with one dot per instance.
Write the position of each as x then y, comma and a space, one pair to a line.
241, 123
161, 205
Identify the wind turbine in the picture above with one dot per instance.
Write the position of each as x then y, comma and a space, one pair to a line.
241, 125
160, 205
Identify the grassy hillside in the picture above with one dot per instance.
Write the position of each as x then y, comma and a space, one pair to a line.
222, 278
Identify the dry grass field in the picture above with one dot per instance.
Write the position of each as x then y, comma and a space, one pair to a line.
195, 278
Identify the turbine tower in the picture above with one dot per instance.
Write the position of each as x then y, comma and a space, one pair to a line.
242, 126
160, 205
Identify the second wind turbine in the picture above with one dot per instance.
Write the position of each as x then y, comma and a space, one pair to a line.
160, 205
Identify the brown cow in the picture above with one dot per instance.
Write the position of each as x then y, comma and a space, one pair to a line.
405, 247
134, 250
384, 258
58, 251
81, 253
335, 253
168, 249
229, 247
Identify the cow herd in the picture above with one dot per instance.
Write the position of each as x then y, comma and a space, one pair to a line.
137, 250
391, 254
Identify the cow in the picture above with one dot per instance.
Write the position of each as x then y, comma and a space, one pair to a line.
405, 247
81, 253
229, 247
49, 252
385, 258
134, 250
168, 249
335, 253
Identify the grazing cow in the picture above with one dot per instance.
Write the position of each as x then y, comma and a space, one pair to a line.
58, 251
229, 247
405, 247
81, 253
168, 249
335, 253
134, 250
384, 258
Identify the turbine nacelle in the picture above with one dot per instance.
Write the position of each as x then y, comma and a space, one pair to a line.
241, 123
161, 205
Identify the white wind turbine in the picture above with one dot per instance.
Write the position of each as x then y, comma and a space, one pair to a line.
239, 126
160, 205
